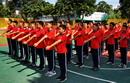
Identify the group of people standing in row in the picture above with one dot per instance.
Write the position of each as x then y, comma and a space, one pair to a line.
28, 40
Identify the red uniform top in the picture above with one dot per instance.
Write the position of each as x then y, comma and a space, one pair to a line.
16, 29
80, 38
95, 43
86, 36
39, 35
61, 47
124, 42
34, 40
101, 31
69, 31
51, 38
26, 31
9, 29
111, 39
20, 30
117, 32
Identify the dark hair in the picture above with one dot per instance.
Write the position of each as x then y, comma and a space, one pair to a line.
15, 22
21, 22
97, 25
112, 24
33, 22
125, 25
26, 22
40, 22
10, 21
63, 27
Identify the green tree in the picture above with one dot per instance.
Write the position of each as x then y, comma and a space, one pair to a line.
4, 11
78, 7
102, 6
125, 8
115, 14
35, 9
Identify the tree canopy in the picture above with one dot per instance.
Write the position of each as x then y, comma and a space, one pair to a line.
125, 8
37, 8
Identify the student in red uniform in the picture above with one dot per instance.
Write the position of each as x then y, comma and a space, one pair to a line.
10, 26
69, 42
117, 35
124, 36
40, 45
101, 31
106, 27
31, 42
60, 46
85, 47
79, 38
109, 36
88, 31
48, 39
14, 42
50, 53
95, 45
24, 37
20, 29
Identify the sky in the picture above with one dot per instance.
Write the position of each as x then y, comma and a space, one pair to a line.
114, 3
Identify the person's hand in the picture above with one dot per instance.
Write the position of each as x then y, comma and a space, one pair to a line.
19, 39
48, 47
13, 37
35, 45
25, 42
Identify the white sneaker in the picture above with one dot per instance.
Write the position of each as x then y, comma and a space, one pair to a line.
52, 73
87, 57
47, 73
124, 66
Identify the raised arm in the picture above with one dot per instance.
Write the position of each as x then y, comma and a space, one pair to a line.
17, 35
42, 39
54, 44
29, 39
91, 38
20, 39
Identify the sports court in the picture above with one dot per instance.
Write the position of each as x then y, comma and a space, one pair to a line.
12, 71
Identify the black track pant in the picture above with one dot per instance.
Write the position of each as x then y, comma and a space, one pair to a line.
111, 53
21, 50
79, 51
69, 53
9, 46
85, 49
63, 64
33, 54
40, 52
123, 55
15, 48
95, 57
26, 52
51, 59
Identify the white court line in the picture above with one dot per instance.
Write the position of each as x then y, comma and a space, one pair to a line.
87, 76
118, 59
112, 69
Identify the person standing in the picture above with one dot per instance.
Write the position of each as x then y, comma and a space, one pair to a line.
95, 46
109, 36
60, 46
124, 36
